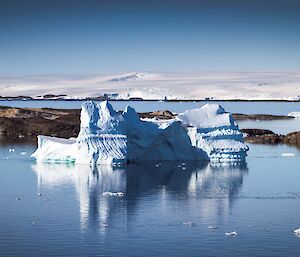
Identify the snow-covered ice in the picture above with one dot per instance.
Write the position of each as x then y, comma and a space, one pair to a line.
107, 136
199, 85
294, 114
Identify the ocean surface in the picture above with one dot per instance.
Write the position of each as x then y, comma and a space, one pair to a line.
167, 208
276, 108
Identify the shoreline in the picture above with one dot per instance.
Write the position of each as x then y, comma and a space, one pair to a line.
21, 123
27, 98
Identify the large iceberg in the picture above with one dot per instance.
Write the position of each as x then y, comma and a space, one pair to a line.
107, 136
213, 130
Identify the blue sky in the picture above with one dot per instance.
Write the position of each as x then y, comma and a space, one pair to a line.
57, 37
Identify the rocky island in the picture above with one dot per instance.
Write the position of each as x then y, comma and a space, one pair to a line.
29, 122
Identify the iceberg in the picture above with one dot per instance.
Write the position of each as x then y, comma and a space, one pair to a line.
213, 130
111, 137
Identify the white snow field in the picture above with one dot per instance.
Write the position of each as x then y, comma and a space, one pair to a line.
176, 85
107, 136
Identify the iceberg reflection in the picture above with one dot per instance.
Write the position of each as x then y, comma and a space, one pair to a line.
215, 186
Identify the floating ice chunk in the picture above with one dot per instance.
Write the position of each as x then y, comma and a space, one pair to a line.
11, 150
52, 149
233, 233
297, 231
189, 223
287, 154
213, 130
296, 115
108, 193
23, 153
212, 227
107, 136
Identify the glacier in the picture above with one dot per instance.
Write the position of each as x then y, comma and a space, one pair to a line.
110, 137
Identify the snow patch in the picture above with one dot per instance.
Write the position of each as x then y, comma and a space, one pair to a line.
132, 77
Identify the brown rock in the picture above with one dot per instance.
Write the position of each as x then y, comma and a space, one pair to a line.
293, 138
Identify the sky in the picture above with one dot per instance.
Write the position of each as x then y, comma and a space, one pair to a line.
89, 36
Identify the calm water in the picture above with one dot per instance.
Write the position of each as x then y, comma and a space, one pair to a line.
275, 108
60, 210
165, 210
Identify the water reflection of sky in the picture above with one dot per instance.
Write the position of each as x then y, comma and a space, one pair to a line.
164, 182
71, 217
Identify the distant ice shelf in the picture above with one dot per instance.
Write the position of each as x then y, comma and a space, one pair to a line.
107, 136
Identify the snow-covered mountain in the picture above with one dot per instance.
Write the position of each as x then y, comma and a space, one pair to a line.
200, 85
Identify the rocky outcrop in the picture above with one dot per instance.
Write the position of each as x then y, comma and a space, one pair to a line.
262, 136
24, 122
292, 138
164, 115
239, 116
20, 122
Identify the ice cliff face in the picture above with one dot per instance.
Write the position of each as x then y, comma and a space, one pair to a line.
215, 131
107, 136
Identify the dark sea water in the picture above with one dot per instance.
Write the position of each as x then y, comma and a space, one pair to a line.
166, 209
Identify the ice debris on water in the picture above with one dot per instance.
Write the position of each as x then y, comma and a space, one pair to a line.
297, 231
212, 227
287, 154
233, 233
11, 150
108, 193
189, 223
23, 153
107, 136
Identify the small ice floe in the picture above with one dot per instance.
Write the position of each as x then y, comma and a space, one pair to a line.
23, 153
212, 227
296, 115
287, 154
232, 233
39, 194
297, 231
18, 199
183, 168
11, 150
189, 223
108, 193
